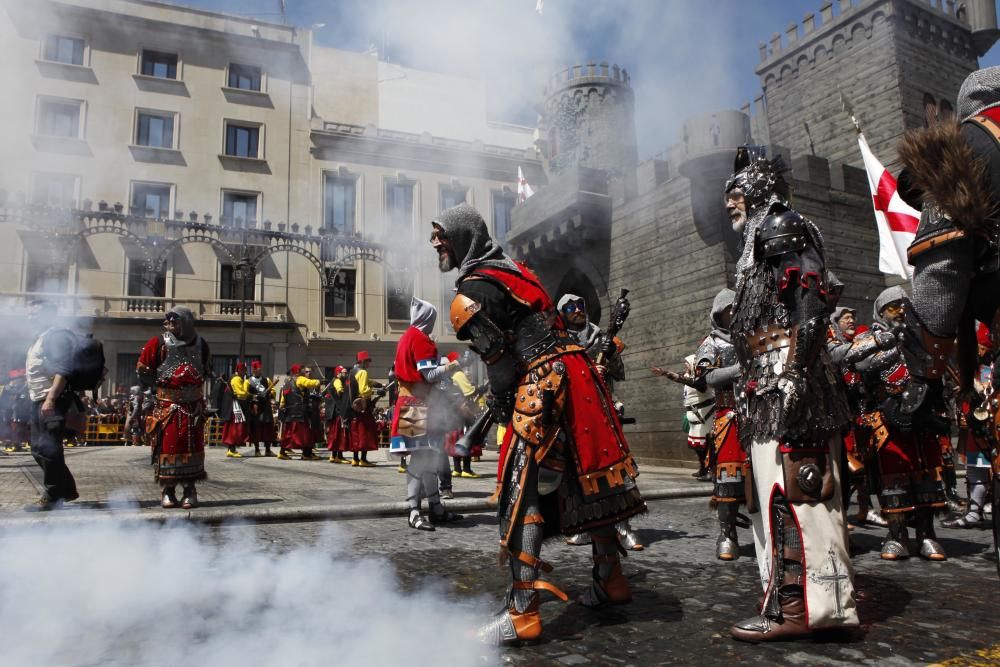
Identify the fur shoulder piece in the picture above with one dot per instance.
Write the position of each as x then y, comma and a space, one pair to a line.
942, 165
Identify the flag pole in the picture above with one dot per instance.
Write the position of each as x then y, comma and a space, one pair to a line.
849, 110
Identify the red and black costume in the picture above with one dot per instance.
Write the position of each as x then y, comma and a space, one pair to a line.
177, 366
565, 466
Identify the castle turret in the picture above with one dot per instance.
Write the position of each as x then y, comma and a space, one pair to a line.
588, 120
981, 15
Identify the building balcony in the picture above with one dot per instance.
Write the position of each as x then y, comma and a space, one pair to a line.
144, 308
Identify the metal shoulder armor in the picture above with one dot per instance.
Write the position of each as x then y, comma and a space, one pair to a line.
782, 233
472, 324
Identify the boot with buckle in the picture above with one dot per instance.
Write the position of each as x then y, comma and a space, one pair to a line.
511, 627
787, 621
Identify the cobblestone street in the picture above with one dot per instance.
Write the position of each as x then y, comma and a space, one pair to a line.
914, 612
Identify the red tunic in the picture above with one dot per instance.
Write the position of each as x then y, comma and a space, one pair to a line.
177, 425
414, 347
596, 434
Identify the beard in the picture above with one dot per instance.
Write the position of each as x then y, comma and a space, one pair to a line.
446, 262
739, 222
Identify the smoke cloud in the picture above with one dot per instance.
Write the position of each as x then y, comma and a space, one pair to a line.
112, 594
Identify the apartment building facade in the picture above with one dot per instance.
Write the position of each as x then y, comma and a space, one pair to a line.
159, 155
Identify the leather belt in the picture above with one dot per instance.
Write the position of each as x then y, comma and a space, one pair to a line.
181, 395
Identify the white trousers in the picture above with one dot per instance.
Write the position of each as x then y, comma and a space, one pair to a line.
827, 572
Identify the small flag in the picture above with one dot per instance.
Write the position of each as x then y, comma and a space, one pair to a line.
539, 7
523, 189
896, 220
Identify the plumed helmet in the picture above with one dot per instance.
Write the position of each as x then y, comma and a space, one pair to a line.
756, 176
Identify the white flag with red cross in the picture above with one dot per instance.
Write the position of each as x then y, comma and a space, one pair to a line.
523, 189
896, 220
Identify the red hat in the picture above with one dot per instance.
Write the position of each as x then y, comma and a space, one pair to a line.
338, 370
363, 356
453, 356
241, 367
983, 335
296, 369
255, 364
16, 373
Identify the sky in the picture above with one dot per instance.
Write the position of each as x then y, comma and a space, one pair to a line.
685, 57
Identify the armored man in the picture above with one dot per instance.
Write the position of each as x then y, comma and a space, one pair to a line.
177, 363
792, 409
564, 464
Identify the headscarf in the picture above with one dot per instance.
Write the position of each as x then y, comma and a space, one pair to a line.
724, 299
471, 242
423, 315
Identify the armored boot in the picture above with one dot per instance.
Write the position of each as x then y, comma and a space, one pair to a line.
897, 542
628, 537
578, 540
190, 499
169, 498
727, 547
977, 479
930, 548
609, 585
783, 612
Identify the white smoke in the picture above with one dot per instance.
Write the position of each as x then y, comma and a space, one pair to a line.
116, 594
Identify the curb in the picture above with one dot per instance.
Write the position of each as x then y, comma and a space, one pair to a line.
72, 516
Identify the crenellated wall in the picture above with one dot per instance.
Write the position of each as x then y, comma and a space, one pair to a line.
883, 56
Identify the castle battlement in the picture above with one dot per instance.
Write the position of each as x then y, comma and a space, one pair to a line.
590, 73
943, 24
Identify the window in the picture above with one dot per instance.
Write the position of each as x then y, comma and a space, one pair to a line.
339, 301
240, 208
503, 204
58, 117
451, 196
44, 275
144, 283
158, 64
242, 140
399, 206
154, 129
338, 198
151, 200
62, 49
244, 77
399, 289
229, 284
54, 190
125, 370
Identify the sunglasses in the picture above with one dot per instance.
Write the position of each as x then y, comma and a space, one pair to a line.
171, 317
574, 306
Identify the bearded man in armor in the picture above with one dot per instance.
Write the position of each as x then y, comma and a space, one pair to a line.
908, 462
565, 466
177, 363
791, 409
952, 174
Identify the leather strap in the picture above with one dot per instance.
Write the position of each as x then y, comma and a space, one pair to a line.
531, 561
921, 247
533, 518
541, 585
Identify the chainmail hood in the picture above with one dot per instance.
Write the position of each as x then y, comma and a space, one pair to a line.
186, 320
470, 240
979, 91
423, 315
887, 296
724, 299
838, 312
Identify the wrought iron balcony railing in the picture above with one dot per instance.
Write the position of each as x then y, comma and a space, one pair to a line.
86, 305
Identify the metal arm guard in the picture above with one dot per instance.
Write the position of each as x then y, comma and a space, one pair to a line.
926, 355
722, 377
807, 338
867, 344
488, 340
